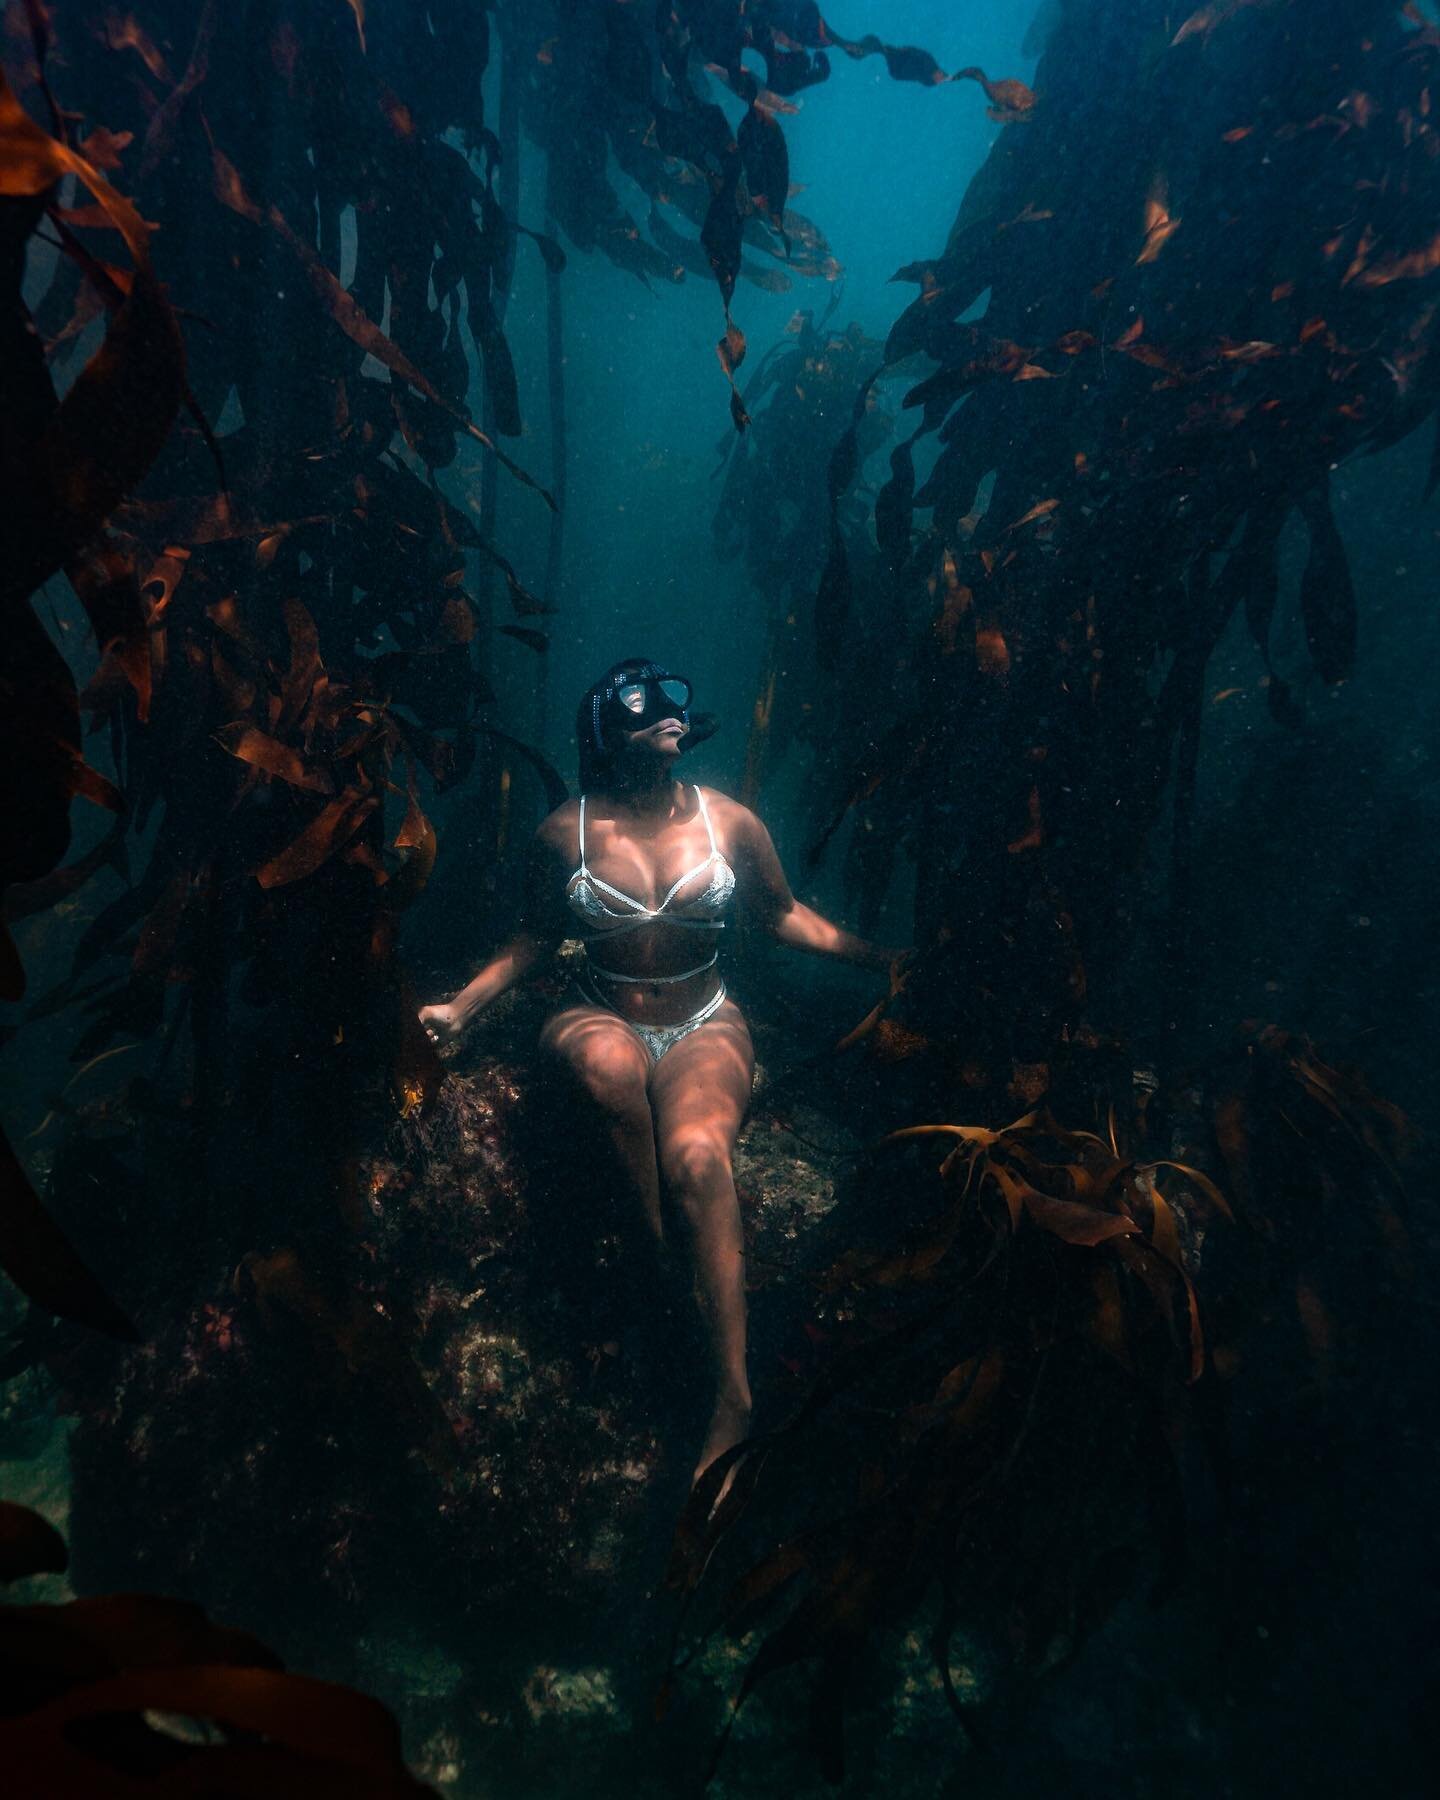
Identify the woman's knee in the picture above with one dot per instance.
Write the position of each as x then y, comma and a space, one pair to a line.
612, 1076
694, 1161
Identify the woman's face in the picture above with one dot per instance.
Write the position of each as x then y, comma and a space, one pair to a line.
660, 739
655, 703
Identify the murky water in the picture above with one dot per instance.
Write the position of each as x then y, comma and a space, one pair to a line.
1017, 429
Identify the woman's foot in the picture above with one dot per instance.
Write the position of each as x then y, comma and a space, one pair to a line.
729, 1425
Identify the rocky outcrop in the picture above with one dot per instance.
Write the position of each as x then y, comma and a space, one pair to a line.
452, 1477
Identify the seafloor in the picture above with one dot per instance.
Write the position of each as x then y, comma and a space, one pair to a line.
456, 1485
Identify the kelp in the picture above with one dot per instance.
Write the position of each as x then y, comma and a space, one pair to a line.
240, 598
292, 654
261, 734
301, 660
1319, 1166
1011, 1407
636, 84
65, 462
1020, 1374
776, 513
1176, 352
1019, 1341
108, 1694
801, 510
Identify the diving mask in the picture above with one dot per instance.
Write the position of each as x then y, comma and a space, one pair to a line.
655, 697
641, 696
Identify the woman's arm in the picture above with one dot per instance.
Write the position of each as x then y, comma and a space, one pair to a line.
512, 962
789, 921
540, 931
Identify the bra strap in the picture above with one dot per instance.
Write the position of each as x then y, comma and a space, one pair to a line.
705, 815
582, 870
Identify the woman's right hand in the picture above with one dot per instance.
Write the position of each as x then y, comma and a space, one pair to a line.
443, 1024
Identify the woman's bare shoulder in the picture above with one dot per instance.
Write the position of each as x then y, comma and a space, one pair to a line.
734, 818
556, 831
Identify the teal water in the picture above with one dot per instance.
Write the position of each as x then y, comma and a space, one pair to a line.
514, 1619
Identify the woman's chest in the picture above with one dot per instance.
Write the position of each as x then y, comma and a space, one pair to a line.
653, 874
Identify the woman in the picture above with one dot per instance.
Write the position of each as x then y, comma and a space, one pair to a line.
645, 870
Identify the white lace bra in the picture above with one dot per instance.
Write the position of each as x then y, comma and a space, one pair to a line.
589, 897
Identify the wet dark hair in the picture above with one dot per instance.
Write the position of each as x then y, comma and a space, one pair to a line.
596, 762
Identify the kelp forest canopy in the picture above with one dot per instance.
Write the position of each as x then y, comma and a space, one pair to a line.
299, 311
294, 608
1125, 395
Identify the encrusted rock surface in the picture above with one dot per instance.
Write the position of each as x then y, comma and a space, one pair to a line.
482, 1544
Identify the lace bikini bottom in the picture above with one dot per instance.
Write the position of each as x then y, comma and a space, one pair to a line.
657, 1039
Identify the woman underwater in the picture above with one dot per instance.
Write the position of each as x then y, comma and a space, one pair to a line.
645, 869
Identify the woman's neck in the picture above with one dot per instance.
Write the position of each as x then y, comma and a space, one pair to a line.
645, 787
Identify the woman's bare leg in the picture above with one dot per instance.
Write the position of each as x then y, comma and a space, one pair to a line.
698, 1093
612, 1067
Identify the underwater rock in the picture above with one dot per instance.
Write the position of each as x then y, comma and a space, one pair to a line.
491, 1566
262, 1452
